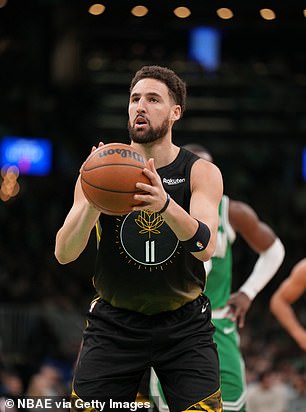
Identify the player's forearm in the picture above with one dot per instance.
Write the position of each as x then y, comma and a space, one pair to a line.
287, 318
73, 236
185, 227
265, 268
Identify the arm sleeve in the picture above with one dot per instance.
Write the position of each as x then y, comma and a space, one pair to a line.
265, 268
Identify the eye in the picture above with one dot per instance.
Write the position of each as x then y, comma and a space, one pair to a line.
153, 100
134, 99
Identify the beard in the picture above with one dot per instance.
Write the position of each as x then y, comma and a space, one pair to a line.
149, 136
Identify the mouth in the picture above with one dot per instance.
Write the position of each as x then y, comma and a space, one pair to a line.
140, 122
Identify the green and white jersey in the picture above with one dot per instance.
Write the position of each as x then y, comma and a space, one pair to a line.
219, 267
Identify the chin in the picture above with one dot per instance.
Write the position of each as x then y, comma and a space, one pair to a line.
138, 138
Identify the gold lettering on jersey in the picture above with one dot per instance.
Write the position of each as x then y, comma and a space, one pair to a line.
149, 222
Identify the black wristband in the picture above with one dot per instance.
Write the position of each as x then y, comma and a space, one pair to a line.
199, 240
166, 204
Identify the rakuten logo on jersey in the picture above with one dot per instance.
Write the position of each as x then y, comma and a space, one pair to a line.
173, 181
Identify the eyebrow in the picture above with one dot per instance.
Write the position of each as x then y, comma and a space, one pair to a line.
154, 94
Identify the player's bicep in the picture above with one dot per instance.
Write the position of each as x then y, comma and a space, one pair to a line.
289, 291
246, 222
295, 286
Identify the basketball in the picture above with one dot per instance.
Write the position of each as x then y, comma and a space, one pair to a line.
109, 176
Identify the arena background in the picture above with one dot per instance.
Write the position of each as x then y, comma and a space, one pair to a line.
64, 76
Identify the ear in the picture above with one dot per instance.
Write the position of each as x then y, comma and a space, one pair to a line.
176, 112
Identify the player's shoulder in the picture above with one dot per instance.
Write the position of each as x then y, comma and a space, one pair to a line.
302, 262
205, 176
296, 281
299, 269
206, 168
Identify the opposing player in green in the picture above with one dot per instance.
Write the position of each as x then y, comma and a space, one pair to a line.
289, 291
229, 309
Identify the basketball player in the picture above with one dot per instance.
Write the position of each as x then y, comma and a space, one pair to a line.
289, 291
150, 310
229, 309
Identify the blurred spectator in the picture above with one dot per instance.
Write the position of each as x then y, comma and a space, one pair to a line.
269, 393
11, 384
11, 387
47, 382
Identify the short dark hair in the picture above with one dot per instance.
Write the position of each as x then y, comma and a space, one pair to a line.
176, 86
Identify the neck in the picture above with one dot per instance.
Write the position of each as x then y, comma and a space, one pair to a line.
163, 152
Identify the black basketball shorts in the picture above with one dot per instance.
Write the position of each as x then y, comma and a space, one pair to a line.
119, 345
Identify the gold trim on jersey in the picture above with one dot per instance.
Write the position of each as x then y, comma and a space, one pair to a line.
74, 408
98, 232
98, 239
212, 403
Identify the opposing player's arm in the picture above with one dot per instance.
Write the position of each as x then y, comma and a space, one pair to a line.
245, 221
262, 239
72, 237
290, 290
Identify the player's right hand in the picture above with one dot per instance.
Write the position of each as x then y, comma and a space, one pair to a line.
94, 147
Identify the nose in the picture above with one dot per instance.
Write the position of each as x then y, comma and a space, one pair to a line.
141, 105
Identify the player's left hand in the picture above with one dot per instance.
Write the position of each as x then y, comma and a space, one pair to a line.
239, 304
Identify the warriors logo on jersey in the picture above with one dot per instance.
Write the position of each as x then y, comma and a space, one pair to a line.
146, 238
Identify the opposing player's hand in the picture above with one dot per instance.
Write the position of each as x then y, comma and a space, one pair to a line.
154, 196
239, 304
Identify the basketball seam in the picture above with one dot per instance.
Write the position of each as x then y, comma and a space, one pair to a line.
105, 209
112, 164
110, 190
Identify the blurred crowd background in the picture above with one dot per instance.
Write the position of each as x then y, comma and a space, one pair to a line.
65, 70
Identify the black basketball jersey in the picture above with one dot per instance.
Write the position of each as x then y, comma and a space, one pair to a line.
141, 265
